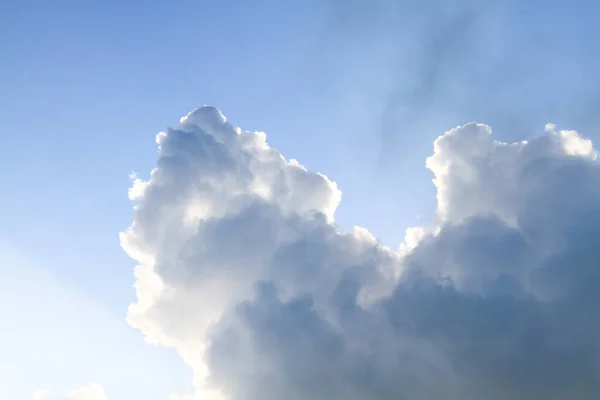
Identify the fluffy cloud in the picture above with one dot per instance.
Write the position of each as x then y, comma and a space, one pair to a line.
42, 395
243, 271
90, 392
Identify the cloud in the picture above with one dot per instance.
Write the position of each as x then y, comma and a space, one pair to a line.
243, 271
41, 395
90, 392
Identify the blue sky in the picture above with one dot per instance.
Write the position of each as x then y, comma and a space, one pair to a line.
352, 90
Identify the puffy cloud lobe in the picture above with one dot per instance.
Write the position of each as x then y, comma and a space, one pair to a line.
475, 175
243, 270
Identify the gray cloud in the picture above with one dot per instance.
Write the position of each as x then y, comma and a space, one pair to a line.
244, 272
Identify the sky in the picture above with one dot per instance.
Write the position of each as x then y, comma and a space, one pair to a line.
354, 90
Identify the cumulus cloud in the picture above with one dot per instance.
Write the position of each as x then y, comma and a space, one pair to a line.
242, 269
42, 394
90, 392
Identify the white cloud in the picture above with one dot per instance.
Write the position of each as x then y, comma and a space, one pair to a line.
90, 392
42, 395
243, 271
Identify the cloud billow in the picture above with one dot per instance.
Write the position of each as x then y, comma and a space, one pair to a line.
243, 271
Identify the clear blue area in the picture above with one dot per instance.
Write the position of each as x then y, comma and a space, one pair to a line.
355, 89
